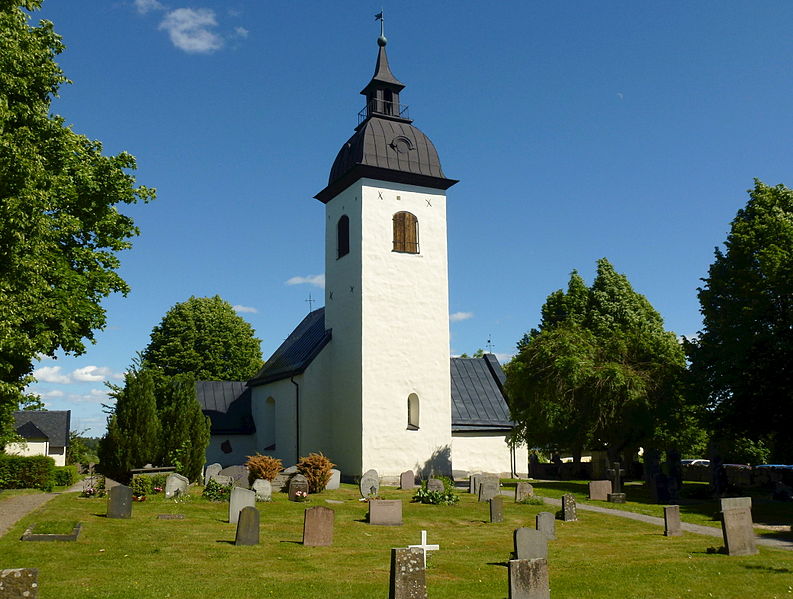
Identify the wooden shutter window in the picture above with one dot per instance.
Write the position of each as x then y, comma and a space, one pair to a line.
406, 233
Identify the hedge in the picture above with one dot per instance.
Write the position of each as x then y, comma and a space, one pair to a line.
26, 472
65, 476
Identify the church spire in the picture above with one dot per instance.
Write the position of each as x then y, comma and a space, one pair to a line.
382, 92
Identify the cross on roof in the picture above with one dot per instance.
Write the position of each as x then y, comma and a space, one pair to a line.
424, 547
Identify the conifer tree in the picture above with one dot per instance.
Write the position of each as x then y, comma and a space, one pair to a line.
185, 428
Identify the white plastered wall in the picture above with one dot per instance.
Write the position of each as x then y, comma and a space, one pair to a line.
40, 447
486, 452
241, 447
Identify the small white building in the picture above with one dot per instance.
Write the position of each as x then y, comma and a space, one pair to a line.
368, 379
44, 432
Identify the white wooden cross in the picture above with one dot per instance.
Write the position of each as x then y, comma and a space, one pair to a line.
424, 547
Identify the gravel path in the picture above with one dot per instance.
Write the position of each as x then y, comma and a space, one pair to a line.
13, 509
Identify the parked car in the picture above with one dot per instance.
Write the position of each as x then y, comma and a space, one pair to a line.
696, 462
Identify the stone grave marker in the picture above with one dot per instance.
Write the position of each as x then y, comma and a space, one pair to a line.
239, 499
530, 544
170, 516
528, 579
281, 481
238, 474
119, 502
298, 488
473, 483
263, 489
488, 488
615, 474
335, 480
407, 480
568, 508
731, 503
291, 470
736, 527
248, 527
523, 490
318, 526
407, 579
546, 523
497, 509
19, 583
175, 484
672, 526
599, 490
385, 512
424, 546
370, 484
435, 484
212, 471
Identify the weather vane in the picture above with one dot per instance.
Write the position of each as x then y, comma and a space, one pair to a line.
489, 344
379, 17
310, 302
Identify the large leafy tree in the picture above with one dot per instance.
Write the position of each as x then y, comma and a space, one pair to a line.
743, 357
60, 230
205, 337
600, 371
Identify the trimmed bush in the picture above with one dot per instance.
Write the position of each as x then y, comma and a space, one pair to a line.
158, 482
316, 468
141, 485
445, 497
65, 476
262, 466
26, 472
214, 491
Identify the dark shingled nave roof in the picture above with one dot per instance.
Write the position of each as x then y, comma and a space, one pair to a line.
228, 405
54, 424
478, 400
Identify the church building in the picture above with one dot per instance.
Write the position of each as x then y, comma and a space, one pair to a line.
368, 379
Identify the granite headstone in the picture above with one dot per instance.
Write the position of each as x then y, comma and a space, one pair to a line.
19, 583
488, 488
568, 508
546, 523
672, 526
385, 512
528, 579
263, 489
239, 474
370, 484
175, 484
599, 490
407, 579
239, 499
211, 471
248, 526
298, 488
497, 509
523, 491
318, 526
119, 502
407, 480
530, 544
435, 484
334, 481
736, 526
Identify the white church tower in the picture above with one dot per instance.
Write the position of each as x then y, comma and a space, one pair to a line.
386, 295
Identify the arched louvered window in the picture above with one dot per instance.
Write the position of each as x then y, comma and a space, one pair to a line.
413, 412
406, 233
343, 236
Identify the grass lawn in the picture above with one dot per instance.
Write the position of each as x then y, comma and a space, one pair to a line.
597, 557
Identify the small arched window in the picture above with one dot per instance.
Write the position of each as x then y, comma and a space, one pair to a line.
413, 412
343, 236
406, 233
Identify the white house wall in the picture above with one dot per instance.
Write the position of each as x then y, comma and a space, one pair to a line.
241, 447
31, 448
486, 452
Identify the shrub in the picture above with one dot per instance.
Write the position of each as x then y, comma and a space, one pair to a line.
445, 497
141, 485
214, 491
316, 468
65, 476
158, 482
26, 472
532, 501
262, 466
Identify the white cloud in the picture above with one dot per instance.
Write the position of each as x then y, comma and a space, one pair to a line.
94, 396
503, 358
51, 374
189, 30
458, 316
93, 374
245, 309
316, 280
144, 6
241, 32
45, 394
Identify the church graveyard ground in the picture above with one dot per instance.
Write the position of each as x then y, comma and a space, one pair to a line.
153, 558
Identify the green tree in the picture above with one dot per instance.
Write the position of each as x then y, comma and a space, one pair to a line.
60, 229
205, 337
600, 371
80, 449
185, 428
133, 429
742, 359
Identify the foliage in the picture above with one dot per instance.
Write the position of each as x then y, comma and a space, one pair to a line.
65, 476
205, 337
600, 371
477, 354
185, 428
26, 472
158, 482
532, 501
445, 497
316, 468
262, 466
742, 359
133, 429
80, 450
60, 229
745, 451
141, 485
215, 491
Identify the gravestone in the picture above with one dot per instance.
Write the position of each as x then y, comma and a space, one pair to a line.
318, 526
248, 526
211, 471
473, 483
239, 499
222, 480
119, 502
528, 579
175, 484
407, 579
170, 516
263, 489
672, 526
385, 512
497, 509
238, 474
424, 546
568, 508
599, 490
370, 484
523, 491
435, 484
407, 480
546, 523
732, 503
736, 527
335, 480
530, 544
488, 488
615, 474
16, 583
298, 488
281, 481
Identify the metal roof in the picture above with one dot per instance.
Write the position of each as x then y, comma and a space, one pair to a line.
478, 401
54, 424
228, 405
382, 73
296, 352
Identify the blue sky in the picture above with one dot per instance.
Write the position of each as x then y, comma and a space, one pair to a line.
578, 130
